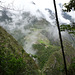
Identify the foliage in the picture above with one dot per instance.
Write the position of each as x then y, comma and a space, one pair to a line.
69, 28
44, 52
70, 6
71, 70
55, 65
13, 59
10, 65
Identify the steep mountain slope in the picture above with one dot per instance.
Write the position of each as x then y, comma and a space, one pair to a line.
13, 59
40, 39
26, 29
55, 64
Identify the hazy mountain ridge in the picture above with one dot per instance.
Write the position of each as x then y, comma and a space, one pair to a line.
36, 34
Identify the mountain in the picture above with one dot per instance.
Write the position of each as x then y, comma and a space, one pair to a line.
40, 39
13, 59
55, 64
26, 27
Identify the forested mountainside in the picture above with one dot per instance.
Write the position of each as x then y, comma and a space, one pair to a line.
29, 41
13, 58
48, 59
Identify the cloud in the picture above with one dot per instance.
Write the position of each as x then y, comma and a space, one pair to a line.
27, 5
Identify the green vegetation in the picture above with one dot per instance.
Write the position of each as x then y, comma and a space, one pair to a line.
55, 64
50, 58
71, 70
44, 51
13, 59
70, 6
69, 28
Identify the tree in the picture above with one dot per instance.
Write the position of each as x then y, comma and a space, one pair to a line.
70, 6
70, 28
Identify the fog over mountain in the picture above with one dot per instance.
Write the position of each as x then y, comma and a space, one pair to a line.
34, 5
31, 20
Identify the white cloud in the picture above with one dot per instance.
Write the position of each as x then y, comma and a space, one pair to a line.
40, 4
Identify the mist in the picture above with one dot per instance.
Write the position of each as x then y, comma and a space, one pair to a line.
27, 20
33, 6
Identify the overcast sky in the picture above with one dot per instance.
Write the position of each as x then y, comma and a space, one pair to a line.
41, 4
26, 5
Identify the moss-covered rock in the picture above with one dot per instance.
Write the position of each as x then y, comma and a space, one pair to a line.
13, 59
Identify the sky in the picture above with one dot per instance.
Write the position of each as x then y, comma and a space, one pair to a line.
27, 5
